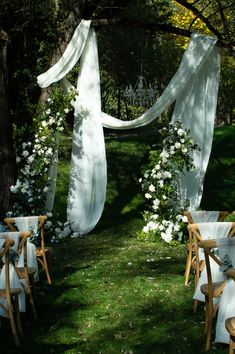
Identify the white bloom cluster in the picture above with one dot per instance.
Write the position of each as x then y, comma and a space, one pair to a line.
62, 230
35, 155
161, 184
167, 229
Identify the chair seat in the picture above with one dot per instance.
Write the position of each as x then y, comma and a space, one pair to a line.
217, 288
230, 325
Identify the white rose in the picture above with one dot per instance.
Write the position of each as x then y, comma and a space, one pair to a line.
152, 188
185, 218
44, 123
30, 159
25, 153
148, 196
145, 229
180, 132
177, 145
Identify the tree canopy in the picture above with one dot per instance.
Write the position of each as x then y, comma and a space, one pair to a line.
35, 34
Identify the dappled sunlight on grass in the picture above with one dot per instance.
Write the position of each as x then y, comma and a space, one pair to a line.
113, 293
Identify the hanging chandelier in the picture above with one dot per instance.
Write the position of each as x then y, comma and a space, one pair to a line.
141, 94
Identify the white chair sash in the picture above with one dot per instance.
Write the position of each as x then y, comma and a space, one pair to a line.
202, 216
28, 223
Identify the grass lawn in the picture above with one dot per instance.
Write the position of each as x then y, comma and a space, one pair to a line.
113, 293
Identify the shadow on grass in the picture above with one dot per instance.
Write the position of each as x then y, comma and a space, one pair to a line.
113, 293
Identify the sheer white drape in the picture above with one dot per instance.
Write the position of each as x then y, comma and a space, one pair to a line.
193, 88
28, 223
201, 216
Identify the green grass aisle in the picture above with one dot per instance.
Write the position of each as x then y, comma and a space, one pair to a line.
114, 294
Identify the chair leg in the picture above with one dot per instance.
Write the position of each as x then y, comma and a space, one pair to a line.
231, 345
18, 318
206, 314
188, 267
13, 325
208, 326
32, 302
45, 261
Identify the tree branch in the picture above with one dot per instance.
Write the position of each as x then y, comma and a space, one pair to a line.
199, 14
164, 28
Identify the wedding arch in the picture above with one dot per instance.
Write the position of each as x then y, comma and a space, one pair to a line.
193, 88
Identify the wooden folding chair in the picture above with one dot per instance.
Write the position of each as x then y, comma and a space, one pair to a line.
191, 257
42, 252
25, 273
10, 295
197, 263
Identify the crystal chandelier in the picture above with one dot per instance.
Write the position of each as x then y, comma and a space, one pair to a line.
141, 94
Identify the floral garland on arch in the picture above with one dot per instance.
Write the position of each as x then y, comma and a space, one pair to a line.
161, 184
36, 148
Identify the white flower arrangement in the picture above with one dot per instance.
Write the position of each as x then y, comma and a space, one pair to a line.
161, 184
36, 149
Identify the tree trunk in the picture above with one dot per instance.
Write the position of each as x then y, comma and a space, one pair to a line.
7, 156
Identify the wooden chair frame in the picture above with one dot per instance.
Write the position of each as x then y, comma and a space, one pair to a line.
42, 251
190, 259
11, 295
198, 264
212, 290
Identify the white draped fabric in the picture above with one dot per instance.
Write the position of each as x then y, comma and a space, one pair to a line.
201, 216
194, 89
28, 223
209, 231
226, 248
